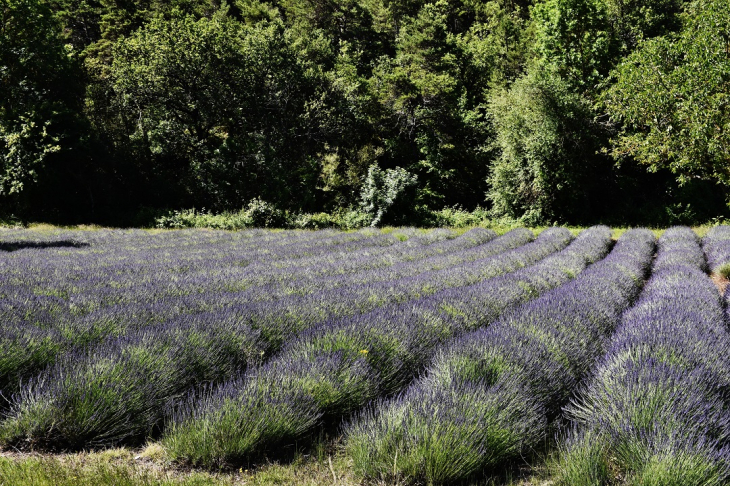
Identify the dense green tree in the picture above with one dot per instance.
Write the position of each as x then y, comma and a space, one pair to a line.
80, 20
211, 103
225, 111
550, 126
574, 36
434, 108
497, 42
672, 98
634, 20
584, 39
38, 93
547, 167
544, 122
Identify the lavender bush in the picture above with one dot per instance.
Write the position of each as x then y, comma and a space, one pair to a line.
65, 407
58, 300
655, 410
716, 245
439, 357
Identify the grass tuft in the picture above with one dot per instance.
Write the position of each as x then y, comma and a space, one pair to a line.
724, 270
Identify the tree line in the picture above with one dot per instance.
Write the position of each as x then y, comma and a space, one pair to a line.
569, 111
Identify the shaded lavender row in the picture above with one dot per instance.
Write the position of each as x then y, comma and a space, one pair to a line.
27, 275
299, 276
717, 247
136, 260
53, 409
35, 339
37, 325
295, 312
343, 260
494, 393
282, 284
656, 408
431, 243
34, 282
260, 283
44, 299
283, 318
262, 241
86, 288
133, 249
335, 369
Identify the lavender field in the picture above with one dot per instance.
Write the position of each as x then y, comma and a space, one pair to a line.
421, 357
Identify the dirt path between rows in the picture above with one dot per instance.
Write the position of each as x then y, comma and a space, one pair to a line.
720, 282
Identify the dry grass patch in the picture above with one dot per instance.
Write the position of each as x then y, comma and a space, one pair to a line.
147, 467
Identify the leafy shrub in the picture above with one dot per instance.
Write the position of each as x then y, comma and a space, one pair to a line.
456, 217
258, 213
658, 397
191, 218
382, 189
262, 214
346, 219
545, 168
492, 394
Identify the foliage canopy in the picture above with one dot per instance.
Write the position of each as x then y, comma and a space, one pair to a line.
536, 109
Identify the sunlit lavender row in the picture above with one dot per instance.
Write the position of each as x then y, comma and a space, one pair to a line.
337, 368
77, 380
655, 410
717, 248
39, 337
493, 394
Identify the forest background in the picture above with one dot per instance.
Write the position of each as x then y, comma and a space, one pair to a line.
310, 113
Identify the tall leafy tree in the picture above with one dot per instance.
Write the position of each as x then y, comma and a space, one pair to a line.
432, 94
672, 98
222, 111
38, 92
634, 20
547, 166
575, 37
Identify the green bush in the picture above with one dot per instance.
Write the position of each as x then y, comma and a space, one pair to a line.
457, 217
384, 190
261, 214
724, 270
546, 168
191, 218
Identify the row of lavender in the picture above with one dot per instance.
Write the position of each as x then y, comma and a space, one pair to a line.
169, 260
656, 410
27, 277
717, 248
39, 310
494, 394
117, 390
218, 287
102, 282
61, 285
335, 369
